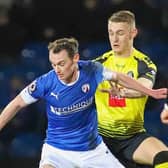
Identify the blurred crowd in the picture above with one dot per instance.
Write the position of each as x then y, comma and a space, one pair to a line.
29, 20
26, 27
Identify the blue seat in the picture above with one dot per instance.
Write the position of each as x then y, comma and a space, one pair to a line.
152, 122
157, 51
25, 145
35, 54
92, 50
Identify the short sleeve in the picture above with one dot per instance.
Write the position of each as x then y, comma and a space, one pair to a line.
35, 90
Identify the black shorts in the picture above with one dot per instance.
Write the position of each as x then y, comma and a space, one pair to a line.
124, 149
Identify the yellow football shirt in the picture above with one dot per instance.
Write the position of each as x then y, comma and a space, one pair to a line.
123, 117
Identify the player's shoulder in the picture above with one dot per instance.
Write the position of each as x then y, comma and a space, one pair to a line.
50, 74
47, 78
88, 65
84, 64
104, 57
141, 56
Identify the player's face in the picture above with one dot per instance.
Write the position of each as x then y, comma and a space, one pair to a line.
64, 66
121, 37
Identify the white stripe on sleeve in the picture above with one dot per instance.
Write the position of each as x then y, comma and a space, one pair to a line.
28, 99
108, 74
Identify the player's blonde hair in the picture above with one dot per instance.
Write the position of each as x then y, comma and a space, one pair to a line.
123, 16
69, 44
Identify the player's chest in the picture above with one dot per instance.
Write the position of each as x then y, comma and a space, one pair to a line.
128, 67
62, 95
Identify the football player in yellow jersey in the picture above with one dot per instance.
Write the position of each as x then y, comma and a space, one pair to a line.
121, 110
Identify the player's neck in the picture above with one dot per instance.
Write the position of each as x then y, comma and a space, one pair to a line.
74, 76
124, 54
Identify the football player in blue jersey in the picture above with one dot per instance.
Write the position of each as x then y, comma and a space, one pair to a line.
72, 138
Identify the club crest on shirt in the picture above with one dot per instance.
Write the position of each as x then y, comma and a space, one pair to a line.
130, 74
32, 87
86, 88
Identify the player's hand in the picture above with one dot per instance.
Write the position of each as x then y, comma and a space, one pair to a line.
114, 90
164, 115
159, 93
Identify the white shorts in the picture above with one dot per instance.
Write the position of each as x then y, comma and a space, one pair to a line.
97, 158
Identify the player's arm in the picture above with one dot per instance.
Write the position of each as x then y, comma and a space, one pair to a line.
129, 93
10, 110
147, 73
130, 83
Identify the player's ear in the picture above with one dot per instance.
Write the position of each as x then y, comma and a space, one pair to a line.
134, 32
76, 57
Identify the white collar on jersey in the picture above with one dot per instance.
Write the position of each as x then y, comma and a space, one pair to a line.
70, 84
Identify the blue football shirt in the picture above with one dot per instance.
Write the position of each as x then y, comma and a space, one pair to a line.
71, 110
